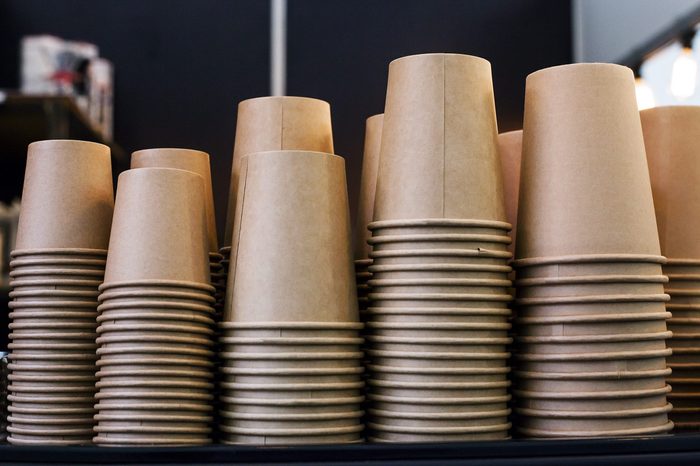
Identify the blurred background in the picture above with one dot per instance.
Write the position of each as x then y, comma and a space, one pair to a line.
169, 73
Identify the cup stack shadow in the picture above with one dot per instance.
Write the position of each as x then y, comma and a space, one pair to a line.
56, 268
437, 324
671, 137
291, 363
591, 318
156, 315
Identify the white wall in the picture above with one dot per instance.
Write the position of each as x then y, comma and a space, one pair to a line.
607, 30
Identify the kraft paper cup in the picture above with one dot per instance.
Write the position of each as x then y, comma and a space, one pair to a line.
368, 184
440, 300
430, 141
290, 421
276, 123
593, 420
580, 344
438, 389
589, 265
590, 381
189, 160
596, 400
286, 376
669, 133
56, 273
279, 437
590, 285
510, 148
438, 434
312, 186
437, 270
445, 359
439, 344
403, 227
66, 180
459, 316
597, 199
656, 430
441, 285
430, 420
244, 345
603, 324
157, 296
153, 207
439, 330
430, 374
28, 265
444, 256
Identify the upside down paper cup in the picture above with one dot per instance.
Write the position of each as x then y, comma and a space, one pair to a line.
276, 123
439, 136
67, 196
596, 199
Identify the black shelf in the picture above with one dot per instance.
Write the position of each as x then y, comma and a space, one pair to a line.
671, 450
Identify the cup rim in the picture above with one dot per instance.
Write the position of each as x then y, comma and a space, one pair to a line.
588, 259
157, 283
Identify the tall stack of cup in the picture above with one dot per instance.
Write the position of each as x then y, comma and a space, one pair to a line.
437, 324
291, 362
368, 185
198, 162
670, 136
155, 316
591, 320
274, 123
57, 266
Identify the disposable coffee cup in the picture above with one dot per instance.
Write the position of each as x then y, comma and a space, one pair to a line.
368, 184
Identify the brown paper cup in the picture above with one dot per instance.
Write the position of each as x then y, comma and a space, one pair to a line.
669, 135
437, 270
276, 123
443, 256
66, 180
656, 430
321, 253
601, 201
184, 159
429, 143
462, 360
153, 206
368, 184
468, 241
458, 316
510, 147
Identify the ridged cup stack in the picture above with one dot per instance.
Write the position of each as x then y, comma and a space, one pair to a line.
368, 185
591, 318
56, 268
291, 360
437, 323
274, 123
198, 162
671, 138
156, 315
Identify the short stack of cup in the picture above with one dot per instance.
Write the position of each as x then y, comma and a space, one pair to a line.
591, 319
291, 360
62, 238
156, 320
273, 123
670, 137
438, 321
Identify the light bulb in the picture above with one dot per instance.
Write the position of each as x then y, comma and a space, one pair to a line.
645, 96
684, 74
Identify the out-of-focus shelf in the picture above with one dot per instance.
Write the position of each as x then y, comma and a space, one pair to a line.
673, 450
28, 118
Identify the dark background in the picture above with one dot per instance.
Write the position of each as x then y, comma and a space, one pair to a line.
182, 66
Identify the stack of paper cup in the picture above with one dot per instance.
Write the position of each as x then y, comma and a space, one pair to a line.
274, 123
368, 184
3, 396
197, 162
62, 238
591, 325
291, 362
437, 324
155, 315
670, 136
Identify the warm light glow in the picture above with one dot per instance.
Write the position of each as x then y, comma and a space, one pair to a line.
684, 74
645, 96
